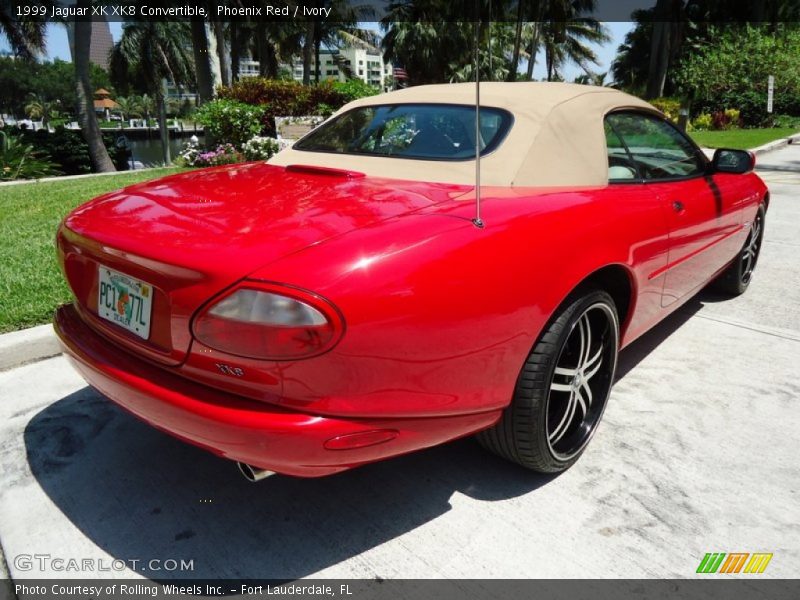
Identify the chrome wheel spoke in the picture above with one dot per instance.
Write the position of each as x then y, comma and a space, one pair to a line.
588, 390
583, 403
589, 374
560, 387
565, 420
566, 372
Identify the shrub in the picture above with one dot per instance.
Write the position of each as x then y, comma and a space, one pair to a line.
260, 148
224, 154
353, 89
669, 106
19, 160
69, 151
230, 121
726, 119
281, 98
702, 122
784, 121
719, 74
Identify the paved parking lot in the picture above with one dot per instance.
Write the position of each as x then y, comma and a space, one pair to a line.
697, 453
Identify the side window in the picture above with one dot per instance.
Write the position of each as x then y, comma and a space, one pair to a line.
620, 164
656, 149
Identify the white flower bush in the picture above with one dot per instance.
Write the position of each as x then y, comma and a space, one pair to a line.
260, 148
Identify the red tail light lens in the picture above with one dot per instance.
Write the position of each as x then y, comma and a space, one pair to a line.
269, 322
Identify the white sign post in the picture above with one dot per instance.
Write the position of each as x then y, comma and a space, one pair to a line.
770, 92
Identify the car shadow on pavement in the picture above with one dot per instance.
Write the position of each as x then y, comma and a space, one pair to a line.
140, 495
638, 350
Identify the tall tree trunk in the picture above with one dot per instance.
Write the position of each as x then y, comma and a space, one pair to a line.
235, 51
534, 50
659, 60
90, 128
308, 47
270, 60
512, 72
663, 44
202, 62
224, 71
162, 125
317, 45
261, 42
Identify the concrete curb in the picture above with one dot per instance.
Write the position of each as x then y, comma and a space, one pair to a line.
27, 345
83, 176
776, 145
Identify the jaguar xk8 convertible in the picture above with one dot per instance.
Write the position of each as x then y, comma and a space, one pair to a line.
343, 303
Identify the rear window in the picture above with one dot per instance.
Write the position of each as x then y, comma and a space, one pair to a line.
422, 131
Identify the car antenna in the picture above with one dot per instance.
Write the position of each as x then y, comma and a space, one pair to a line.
477, 221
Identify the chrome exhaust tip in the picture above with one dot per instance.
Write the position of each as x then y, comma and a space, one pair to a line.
253, 474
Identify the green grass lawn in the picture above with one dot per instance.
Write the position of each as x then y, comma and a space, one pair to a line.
31, 285
742, 139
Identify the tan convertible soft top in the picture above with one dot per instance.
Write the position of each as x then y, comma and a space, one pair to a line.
557, 137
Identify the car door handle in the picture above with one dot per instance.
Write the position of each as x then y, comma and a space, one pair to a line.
677, 206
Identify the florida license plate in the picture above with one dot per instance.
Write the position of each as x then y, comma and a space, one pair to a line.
125, 301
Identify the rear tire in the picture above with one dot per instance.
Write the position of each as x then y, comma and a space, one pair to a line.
735, 280
563, 387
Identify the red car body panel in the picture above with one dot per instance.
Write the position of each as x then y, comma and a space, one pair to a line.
440, 315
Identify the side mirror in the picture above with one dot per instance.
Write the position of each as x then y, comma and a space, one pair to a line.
733, 161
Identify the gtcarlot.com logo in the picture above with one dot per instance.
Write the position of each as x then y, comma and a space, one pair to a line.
48, 562
734, 562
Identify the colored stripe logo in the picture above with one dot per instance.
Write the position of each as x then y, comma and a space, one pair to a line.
734, 562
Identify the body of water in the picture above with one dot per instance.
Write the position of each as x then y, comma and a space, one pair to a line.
148, 151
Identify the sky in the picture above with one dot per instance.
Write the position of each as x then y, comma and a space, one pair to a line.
58, 47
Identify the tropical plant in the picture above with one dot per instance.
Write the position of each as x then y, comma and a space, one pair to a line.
38, 109
19, 160
565, 34
156, 51
340, 27
129, 106
702, 122
229, 121
68, 149
26, 37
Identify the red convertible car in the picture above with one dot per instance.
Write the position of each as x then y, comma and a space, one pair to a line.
341, 304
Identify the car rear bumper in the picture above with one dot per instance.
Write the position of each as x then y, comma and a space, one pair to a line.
259, 434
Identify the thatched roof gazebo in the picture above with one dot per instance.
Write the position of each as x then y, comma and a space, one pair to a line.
103, 102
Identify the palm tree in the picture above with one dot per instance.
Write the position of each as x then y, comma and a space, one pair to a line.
129, 106
222, 53
564, 41
25, 37
38, 108
90, 128
157, 52
339, 28
147, 105
202, 59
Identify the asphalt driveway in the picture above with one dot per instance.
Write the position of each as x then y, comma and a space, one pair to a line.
697, 453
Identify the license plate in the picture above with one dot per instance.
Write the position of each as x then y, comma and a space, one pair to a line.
125, 301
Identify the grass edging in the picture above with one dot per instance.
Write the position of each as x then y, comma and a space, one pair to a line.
31, 285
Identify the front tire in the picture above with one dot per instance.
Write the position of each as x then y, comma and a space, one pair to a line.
563, 387
735, 280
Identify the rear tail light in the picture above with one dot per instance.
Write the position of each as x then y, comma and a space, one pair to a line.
269, 322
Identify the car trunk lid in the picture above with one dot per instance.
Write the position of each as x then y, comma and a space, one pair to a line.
191, 235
